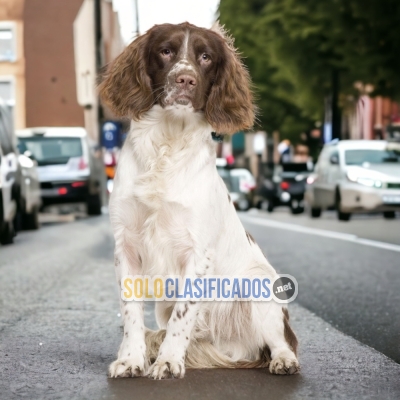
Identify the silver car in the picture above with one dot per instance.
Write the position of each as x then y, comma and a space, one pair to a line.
356, 176
30, 193
70, 169
19, 185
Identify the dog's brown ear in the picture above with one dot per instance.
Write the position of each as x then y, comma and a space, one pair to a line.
126, 87
230, 105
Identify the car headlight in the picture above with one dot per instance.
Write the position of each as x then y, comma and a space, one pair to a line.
311, 179
362, 180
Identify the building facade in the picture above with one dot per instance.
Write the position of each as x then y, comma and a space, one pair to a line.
39, 45
12, 58
370, 118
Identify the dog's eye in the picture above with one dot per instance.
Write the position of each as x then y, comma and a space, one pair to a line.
205, 57
166, 52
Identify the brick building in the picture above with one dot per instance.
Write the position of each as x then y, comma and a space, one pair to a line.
12, 57
44, 47
370, 118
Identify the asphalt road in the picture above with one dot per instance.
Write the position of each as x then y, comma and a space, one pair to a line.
60, 323
351, 283
368, 226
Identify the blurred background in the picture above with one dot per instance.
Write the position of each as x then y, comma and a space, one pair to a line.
321, 73
316, 182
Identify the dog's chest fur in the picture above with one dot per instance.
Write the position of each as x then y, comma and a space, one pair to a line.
169, 160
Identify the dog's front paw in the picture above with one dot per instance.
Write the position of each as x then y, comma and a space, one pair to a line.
284, 366
127, 368
164, 369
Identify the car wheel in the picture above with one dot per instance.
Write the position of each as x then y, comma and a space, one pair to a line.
18, 219
17, 222
243, 205
315, 212
265, 205
94, 205
296, 207
342, 216
298, 210
7, 234
389, 215
31, 221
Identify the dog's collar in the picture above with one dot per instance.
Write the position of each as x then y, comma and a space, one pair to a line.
217, 137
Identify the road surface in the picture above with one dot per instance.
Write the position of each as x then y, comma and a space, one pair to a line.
60, 325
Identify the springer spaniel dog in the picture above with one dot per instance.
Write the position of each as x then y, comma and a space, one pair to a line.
171, 213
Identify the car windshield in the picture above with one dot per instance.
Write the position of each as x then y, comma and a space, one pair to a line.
232, 182
359, 157
50, 151
226, 177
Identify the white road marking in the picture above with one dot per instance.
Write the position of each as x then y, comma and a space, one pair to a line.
320, 232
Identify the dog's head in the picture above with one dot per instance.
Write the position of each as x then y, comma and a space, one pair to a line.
182, 66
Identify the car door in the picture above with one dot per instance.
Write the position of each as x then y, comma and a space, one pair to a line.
321, 171
332, 177
8, 169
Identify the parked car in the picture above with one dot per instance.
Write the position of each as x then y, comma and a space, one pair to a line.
247, 184
30, 201
8, 205
9, 177
19, 184
240, 184
356, 176
69, 169
286, 187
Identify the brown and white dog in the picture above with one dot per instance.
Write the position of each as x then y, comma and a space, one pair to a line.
170, 210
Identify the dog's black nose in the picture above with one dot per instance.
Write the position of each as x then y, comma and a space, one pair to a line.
186, 80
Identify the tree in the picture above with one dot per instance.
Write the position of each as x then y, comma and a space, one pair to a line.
303, 43
273, 91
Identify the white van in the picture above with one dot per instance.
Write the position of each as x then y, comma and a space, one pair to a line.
69, 169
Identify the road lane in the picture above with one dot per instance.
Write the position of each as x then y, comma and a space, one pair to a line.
367, 226
60, 329
353, 286
322, 233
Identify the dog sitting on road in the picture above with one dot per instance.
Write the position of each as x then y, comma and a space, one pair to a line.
171, 213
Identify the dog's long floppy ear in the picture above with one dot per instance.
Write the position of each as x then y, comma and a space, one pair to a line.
230, 105
126, 87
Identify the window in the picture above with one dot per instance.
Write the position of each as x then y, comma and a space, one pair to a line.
334, 157
51, 150
359, 157
7, 43
6, 131
7, 93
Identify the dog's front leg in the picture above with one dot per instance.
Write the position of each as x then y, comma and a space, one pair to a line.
170, 362
171, 356
131, 359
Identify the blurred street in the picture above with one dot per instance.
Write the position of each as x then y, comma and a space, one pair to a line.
348, 274
60, 325
301, 101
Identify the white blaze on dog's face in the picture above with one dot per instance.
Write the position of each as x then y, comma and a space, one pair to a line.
181, 66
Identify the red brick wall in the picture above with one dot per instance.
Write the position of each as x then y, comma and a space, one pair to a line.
11, 9
50, 69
